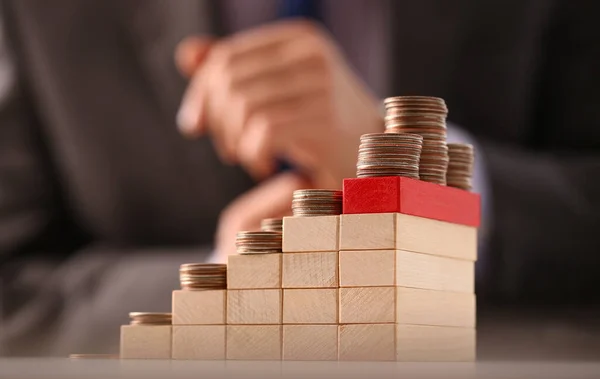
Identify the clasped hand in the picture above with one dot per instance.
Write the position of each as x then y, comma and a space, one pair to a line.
279, 92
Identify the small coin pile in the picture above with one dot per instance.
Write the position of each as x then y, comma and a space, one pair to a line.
94, 356
389, 154
425, 116
261, 242
150, 318
316, 202
272, 225
460, 167
203, 276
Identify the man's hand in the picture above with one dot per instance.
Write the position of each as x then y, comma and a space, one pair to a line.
278, 92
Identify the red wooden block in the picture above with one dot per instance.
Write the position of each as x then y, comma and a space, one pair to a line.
397, 194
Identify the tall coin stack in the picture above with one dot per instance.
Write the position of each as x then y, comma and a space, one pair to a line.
460, 167
148, 318
272, 225
425, 116
316, 202
258, 242
389, 154
203, 276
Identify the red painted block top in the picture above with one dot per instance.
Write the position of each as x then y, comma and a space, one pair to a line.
397, 194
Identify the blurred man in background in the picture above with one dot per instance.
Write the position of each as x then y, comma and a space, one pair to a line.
101, 198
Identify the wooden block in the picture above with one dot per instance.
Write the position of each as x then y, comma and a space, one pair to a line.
310, 234
199, 307
412, 197
145, 342
310, 270
418, 343
435, 273
310, 306
254, 271
254, 342
367, 342
310, 342
254, 306
367, 305
199, 342
385, 231
367, 268
426, 307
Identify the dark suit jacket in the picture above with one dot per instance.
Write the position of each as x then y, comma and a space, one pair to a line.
90, 158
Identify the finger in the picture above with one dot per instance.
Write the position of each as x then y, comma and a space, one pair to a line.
255, 150
271, 198
270, 135
297, 51
190, 53
284, 97
191, 116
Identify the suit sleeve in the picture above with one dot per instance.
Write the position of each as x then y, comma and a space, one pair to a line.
546, 199
25, 189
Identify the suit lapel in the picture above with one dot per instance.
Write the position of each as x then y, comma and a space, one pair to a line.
156, 27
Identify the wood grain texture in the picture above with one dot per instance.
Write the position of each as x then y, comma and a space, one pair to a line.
310, 234
368, 231
310, 342
412, 197
367, 268
199, 307
440, 308
385, 231
310, 270
367, 342
254, 271
145, 342
435, 273
310, 306
367, 305
254, 306
417, 343
254, 342
434, 237
198, 342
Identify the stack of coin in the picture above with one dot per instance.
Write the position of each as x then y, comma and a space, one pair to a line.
389, 154
460, 167
316, 202
272, 225
258, 242
203, 276
425, 116
148, 318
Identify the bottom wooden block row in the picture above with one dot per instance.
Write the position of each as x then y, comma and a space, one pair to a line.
350, 342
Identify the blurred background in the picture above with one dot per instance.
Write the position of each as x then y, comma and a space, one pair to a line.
137, 135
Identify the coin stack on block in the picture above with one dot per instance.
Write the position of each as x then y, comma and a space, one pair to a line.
203, 276
148, 318
460, 167
272, 225
316, 202
389, 154
425, 116
258, 242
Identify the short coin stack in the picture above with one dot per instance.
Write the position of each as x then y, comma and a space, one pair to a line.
460, 167
258, 242
389, 154
149, 318
272, 225
316, 202
425, 116
203, 276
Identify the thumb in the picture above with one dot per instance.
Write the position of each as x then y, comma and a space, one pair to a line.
270, 199
190, 53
